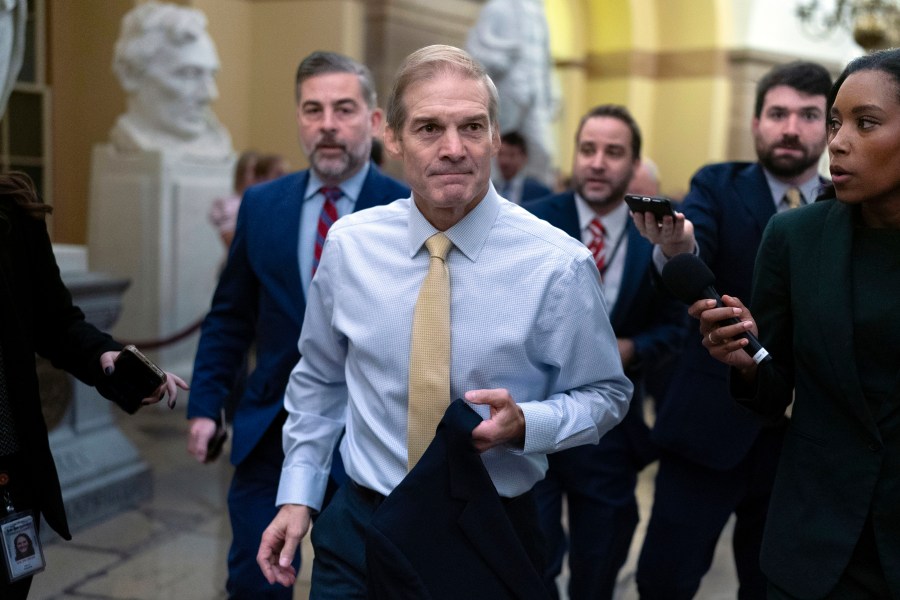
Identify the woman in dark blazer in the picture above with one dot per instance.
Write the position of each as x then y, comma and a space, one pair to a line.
37, 316
826, 300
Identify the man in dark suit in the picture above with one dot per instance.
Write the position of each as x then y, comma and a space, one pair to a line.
599, 481
512, 182
261, 297
716, 461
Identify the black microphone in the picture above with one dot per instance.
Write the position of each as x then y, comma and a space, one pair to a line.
689, 279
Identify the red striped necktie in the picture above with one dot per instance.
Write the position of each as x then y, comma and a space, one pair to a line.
327, 218
596, 245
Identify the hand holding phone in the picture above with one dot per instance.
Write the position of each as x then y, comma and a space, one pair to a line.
134, 377
657, 205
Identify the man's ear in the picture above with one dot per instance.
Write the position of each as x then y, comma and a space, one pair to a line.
392, 143
377, 121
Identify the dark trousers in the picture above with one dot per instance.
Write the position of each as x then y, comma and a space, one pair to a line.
339, 540
691, 506
251, 507
598, 482
863, 579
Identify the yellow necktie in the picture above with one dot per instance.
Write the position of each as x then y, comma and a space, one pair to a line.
793, 197
429, 356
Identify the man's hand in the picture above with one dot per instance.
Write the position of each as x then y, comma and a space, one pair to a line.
202, 430
673, 235
507, 422
279, 544
721, 339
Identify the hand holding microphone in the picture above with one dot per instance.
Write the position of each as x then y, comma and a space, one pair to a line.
690, 280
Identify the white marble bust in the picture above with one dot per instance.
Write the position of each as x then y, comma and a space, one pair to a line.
512, 41
167, 63
12, 45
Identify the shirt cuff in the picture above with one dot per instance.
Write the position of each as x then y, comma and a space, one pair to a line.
302, 485
541, 427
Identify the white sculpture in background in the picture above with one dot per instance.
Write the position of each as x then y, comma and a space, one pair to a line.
512, 41
12, 45
167, 64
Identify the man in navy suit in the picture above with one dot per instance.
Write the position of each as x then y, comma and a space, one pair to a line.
261, 296
599, 481
716, 461
512, 182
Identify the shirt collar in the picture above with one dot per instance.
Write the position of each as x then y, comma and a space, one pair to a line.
468, 236
350, 187
614, 222
809, 188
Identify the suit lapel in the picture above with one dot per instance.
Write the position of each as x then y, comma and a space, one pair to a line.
752, 191
565, 215
285, 233
482, 520
835, 318
373, 190
636, 259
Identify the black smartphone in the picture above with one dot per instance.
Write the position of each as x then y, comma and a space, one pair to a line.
217, 441
657, 205
135, 376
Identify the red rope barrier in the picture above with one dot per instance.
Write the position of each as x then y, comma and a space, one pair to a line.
169, 340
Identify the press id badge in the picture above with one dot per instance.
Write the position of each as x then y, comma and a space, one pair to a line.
22, 552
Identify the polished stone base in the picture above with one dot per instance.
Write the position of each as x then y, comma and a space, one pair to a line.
101, 474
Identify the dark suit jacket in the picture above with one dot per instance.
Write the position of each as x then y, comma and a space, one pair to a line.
644, 311
259, 299
39, 317
729, 205
532, 189
837, 465
443, 532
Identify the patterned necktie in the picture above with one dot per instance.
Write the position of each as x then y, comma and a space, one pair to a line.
793, 198
9, 442
596, 245
326, 219
429, 355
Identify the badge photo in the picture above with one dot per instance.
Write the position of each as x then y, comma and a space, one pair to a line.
22, 552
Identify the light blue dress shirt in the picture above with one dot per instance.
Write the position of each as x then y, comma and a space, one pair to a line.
527, 314
313, 200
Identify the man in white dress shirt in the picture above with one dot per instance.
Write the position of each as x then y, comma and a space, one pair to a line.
543, 371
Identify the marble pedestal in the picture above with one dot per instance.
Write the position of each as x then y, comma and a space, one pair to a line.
100, 470
148, 222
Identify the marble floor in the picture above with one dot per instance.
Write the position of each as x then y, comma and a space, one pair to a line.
173, 546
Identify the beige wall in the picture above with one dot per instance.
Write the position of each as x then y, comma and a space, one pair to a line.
86, 98
673, 62
663, 59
